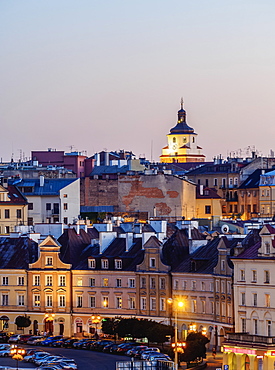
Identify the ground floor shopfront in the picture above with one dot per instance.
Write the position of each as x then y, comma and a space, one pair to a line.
248, 352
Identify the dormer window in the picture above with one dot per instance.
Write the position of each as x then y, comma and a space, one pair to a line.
105, 264
92, 264
118, 264
49, 261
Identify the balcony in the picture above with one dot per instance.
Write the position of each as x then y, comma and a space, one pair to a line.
250, 339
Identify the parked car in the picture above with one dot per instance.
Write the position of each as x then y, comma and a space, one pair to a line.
23, 338
100, 344
60, 342
34, 338
124, 347
110, 348
48, 341
4, 337
5, 352
146, 354
88, 343
79, 343
14, 338
69, 342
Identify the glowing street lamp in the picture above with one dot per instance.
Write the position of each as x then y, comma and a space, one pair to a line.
96, 320
17, 354
177, 305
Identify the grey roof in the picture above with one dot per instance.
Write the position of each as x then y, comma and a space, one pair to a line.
17, 253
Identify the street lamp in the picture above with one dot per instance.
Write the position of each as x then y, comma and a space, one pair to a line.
17, 354
179, 304
96, 320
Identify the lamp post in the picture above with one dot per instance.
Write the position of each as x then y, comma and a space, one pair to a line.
17, 354
179, 304
96, 320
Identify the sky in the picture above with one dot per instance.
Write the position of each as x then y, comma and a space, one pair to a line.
91, 75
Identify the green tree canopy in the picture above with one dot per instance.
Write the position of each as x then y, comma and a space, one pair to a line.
195, 347
23, 321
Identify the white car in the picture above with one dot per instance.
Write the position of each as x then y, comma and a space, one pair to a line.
5, 352
146, 354
159, 356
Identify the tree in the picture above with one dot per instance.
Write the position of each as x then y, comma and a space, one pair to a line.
195, 347
23, 321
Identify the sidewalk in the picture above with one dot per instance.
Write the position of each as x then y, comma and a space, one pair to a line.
211, 363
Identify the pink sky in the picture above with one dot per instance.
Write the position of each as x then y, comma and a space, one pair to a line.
110, 74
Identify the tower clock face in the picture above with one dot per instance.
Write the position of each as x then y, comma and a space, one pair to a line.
174, 147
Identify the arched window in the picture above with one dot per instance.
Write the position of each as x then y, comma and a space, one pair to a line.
174, 139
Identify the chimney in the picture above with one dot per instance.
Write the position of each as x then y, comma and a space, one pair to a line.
201, 189
42, 180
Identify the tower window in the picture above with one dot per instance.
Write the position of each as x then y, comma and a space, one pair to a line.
174, 139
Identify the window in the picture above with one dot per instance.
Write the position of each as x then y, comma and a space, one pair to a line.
18, 213
176, 284
267, 300
5, 299
152, 283
207, 209
49, 261
194, 285
79, 281
143, 303
266, 277
30, 221
36, 300
243, 323
184, 285
269, 328
65, 206
254, 276
7, 213
62, 301
49, 300
243, 299
255, 322
30, 206
118, 283
21, 300
153, 304
223, 286
105, 301
92, 264
152, 262
162, 304
203, 306
62, 280
254, 295
211, 287
223, 265
267, 248
105, 282
203, 286
104, 264
118, 302
92, 301
36, 280
48, 206
131, 283
132, 303
215, 182
236, 181
217, 286
218, 308
21, 280
65, 195
162, 283
194, 305
49, 280
143, 282
229, 287
7, 229
242, 275
118, 264
5, 280
65, 220
79, 301
92, 282
212, 306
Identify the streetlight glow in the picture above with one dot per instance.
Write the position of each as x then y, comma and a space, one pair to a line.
179, 304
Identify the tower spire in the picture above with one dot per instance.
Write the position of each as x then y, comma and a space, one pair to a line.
181, 103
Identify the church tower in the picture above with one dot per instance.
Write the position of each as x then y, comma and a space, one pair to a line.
182, 143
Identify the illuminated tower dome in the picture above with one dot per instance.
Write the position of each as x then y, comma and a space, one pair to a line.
182, 143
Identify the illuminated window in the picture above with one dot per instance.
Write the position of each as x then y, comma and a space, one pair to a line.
49, 280
62, 301
118, 264
105, 282
92, 264
118, 302
104, 264
143, 303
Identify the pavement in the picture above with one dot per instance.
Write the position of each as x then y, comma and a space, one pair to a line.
212, 363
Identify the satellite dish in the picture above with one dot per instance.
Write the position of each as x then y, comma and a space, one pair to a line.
225, 229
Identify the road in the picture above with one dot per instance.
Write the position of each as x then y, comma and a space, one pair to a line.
89, 360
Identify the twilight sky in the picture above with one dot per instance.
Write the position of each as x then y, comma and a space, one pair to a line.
110, 74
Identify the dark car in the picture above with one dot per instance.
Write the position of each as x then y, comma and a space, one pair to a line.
48, 341
124, 347
87, 344
100, 344
60, 342
69, 343
110, 348
79, 343
4, 337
